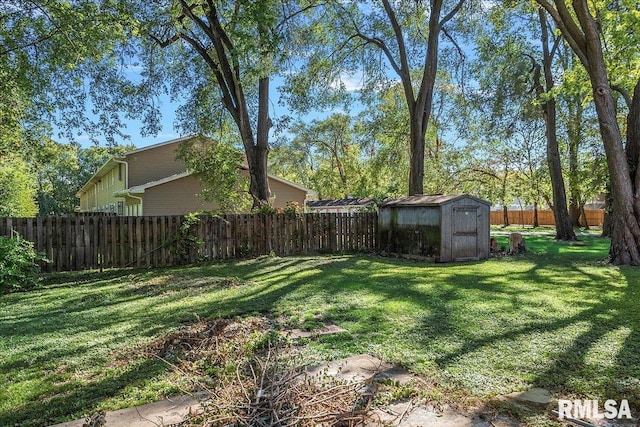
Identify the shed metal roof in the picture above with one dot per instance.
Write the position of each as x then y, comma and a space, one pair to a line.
434, 200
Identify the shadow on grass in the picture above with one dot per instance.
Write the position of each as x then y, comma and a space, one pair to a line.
113, 309
531, 320
612, 321
45, 410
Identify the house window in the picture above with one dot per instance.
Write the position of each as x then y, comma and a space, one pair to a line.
119, 171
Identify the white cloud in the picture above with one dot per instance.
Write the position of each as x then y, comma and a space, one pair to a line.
351, 82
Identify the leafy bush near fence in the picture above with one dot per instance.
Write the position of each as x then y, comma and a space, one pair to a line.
19, 268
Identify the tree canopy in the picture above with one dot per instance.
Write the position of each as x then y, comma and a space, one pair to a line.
505, 100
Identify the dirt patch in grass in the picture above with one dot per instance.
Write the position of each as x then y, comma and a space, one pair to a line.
210, 340
204, 350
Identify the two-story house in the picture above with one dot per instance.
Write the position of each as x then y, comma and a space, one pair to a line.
151, 181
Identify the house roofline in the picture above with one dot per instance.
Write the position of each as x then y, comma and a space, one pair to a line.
94, 178
140, 189
293, 184
284, 181
160, 144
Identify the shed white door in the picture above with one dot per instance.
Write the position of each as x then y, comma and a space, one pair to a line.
465, 233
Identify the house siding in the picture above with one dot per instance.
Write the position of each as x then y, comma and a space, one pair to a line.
154, 164
99, 196
285, 193
178, 197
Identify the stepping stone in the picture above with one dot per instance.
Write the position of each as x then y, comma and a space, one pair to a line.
165, 413
361, 368
408, 414
364, 367
534, 398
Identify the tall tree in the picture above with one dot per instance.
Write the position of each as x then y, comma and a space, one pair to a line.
385, 135
56, 59
585, 167
584, 33
118, 58
60, 170
234, 47
498, 118
407, 35
532, 179
564, 227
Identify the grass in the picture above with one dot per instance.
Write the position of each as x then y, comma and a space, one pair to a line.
548, 229
558, 317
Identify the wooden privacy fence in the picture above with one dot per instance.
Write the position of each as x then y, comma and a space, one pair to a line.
92, 242
595, 217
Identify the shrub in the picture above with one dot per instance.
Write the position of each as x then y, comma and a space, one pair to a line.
185, 239
265, 209
19, 264
293, 209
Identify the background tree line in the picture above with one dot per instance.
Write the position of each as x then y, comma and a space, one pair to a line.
538, 101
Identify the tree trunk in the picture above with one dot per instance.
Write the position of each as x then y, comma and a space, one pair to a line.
606, 221
416, 169
505, 215
536, 221
219, 55
574, 213
584, 217
259, 184
633, 143
258, 181
625, 230
564, 228
633, 136
420, 106
574, 133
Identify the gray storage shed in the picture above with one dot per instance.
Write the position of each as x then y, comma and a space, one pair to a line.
445, 227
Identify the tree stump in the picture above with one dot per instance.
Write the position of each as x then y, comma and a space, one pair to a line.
493, 245
516, 244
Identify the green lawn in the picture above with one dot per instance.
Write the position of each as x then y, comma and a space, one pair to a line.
559, 318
